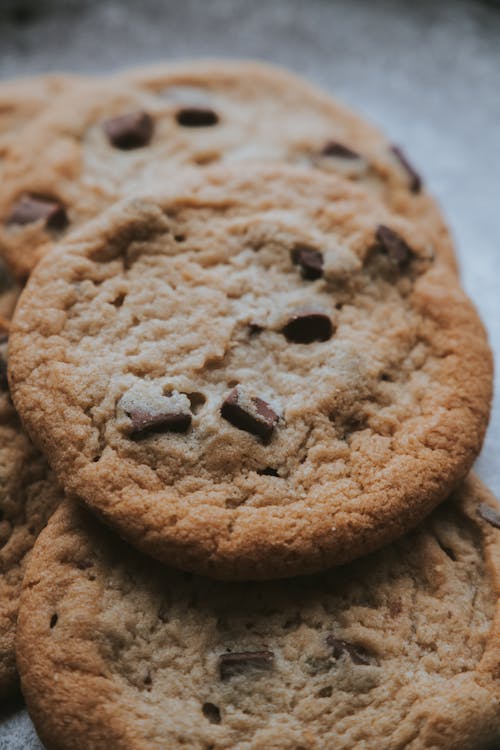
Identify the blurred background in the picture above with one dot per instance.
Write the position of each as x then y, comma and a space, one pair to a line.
426, 71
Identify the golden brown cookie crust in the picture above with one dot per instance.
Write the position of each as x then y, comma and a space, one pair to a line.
263, 114
399, 649
23, 99
28, 495
171, 302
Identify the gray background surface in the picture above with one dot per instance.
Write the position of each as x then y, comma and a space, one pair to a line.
426, 71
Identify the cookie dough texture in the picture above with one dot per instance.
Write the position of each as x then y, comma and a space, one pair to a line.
132, 341
398, 650
196, 114
28, 495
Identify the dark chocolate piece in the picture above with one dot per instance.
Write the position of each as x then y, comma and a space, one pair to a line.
268, 472
196, 117
254, 329
415, 183
211, 712
310, 261
306, 327
129, 131
143, 422
250, 414
393, 245
334, 148
31, 208
231, 663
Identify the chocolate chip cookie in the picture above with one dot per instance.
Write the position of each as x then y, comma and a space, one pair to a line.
398, 650
261, 374
102, 139
26, 98
28, 495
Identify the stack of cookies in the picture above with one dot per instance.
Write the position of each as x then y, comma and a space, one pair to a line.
256, 390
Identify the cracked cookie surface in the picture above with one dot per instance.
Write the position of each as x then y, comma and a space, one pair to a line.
397, 650
28, 495
103, 138
227, 412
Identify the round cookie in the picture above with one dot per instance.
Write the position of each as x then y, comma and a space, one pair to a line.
398, 650
262, 374
23, 99
104, 138
28, 495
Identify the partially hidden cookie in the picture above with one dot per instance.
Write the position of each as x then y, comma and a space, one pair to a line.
261, 374
23, 99
398, 650
102, 139
28, 495
9, 294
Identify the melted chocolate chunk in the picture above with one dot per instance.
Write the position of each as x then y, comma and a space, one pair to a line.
355, 653
133, 130
230, 664
306, 327
489, 514
393, 245
250, 414
31, 208
415, 179
143, 422
310, 261
334, 148
196, 117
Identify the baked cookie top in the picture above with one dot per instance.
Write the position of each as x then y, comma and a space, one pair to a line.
398, 650
28, 495
23, 99
262, 374
103, 138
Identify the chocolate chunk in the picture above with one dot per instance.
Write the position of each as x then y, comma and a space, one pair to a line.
133, 130
196, 117
143, 422
230, 664
334, 148
394, 245
306, 327
489, 514
415, 179
339, 647
211, 712
325, 692
268, 472
310, 261
251, 414
31, 208
254, 329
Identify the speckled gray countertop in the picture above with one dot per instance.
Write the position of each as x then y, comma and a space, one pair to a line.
427, 71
